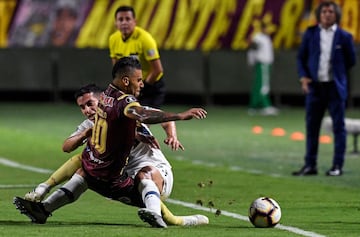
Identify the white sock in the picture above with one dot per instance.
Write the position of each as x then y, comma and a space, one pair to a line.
68, 193
150, 195
42, 189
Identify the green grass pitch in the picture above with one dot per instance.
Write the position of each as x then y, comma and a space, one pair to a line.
224, 166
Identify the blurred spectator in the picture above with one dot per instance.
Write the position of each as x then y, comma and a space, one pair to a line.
39, 23
63, 28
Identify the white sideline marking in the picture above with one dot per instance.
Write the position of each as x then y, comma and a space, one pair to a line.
8, 186
295, 230
13, 164
243, 218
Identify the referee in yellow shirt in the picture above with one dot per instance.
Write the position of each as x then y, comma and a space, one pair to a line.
131, 40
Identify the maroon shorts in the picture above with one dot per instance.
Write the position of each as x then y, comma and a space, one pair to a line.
121, 189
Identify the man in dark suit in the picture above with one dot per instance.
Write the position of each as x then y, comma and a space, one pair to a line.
325, 56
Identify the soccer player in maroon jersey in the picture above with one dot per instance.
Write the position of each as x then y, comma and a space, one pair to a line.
113, 136
146, 162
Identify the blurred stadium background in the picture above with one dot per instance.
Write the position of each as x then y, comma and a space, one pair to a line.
46, 53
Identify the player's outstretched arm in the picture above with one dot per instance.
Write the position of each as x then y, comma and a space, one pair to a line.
198, 113
152, 116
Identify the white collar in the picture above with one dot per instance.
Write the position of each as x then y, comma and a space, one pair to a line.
331, 28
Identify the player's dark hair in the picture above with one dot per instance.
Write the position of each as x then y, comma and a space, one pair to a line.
90, 88
125, 9
327, 4
125, 66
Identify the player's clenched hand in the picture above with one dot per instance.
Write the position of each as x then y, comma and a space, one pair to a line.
197, 113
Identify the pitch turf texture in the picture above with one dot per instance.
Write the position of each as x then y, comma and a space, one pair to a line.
224, 167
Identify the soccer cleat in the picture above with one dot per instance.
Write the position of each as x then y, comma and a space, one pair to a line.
149, 216
195, 220
38, 194
34, 210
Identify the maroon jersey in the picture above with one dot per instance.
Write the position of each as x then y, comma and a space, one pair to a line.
113, 136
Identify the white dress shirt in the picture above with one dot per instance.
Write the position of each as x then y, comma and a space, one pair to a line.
326, 41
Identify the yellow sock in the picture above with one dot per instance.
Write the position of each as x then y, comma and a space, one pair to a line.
65, 171
168, 217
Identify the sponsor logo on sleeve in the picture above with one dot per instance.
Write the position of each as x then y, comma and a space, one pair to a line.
130, 99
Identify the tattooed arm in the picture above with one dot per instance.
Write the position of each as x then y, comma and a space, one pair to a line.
149, 115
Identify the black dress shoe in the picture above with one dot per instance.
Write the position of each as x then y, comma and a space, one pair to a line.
334, 171
306, 170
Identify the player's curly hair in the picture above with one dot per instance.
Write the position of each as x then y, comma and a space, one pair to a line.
89, 88
327, 4
125, 66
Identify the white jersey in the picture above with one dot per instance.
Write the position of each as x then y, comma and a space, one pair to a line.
143, 155
140, 156
86, 124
